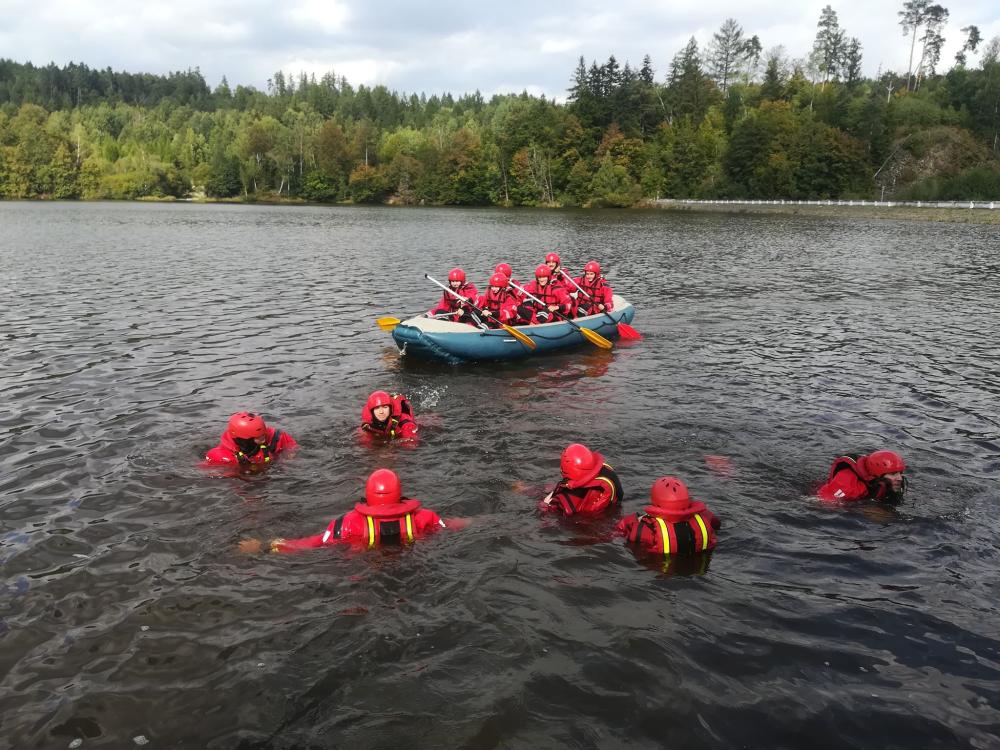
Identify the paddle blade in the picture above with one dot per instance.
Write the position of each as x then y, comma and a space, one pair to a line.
628, 333
595, 338
520, 337
387, 324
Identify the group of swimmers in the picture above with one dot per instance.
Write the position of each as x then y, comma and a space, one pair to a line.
554, 294
671, 525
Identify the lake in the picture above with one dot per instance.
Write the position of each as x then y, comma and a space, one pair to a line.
771, 345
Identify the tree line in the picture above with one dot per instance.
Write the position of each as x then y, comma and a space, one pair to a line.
726, 120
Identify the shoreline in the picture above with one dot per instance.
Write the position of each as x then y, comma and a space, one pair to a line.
929, 213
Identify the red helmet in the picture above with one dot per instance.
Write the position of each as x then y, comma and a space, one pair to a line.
499, 279
579, 464
543, 270
383, 488
379, 398
456, 274
247, 425
553, 258
505, 269
880, 463
670, 493
592, 266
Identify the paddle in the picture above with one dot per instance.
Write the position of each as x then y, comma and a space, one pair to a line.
592, 336
624, 329
512, 331
388, 323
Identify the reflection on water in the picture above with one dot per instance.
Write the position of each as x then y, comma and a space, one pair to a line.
772, 345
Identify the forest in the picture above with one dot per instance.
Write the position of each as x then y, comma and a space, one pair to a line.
726, 119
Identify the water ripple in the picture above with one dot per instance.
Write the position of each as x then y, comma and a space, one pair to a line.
772, 344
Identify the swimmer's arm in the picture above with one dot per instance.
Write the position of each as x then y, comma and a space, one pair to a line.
252, 546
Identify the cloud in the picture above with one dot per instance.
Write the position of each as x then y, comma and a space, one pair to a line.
437, 45
559, 45
327, 15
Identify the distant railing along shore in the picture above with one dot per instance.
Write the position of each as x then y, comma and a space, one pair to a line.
885, 204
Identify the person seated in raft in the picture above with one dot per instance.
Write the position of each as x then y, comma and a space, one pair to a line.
671, 524
589, 486
507, 271
386, 517
877, 476
597, 296
388, 416
497, 303
450, 306
247, 442
558, 279
554, 300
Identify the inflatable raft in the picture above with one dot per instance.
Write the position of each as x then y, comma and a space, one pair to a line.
446, 341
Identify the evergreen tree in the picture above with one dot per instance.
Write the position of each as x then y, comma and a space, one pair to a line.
775, 76
935, 16
691, 92
726, 52
972, 40
829, 46
852, 63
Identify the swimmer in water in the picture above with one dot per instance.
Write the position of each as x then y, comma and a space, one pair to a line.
386, 517
589, 486
877, 476
248, 442
672, 524
389, 416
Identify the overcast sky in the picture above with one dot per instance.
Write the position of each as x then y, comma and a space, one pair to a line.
435, 45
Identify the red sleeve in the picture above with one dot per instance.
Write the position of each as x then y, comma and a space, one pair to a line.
564, 300
480, 301
219, 456
560, 503
408, 430
625, 526
293, 545
286, 442
428, 521
440, 307
608, 298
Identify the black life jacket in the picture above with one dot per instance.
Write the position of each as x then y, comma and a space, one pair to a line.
684, 542
383, 531
268, 448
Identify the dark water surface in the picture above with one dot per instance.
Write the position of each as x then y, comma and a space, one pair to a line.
130, 332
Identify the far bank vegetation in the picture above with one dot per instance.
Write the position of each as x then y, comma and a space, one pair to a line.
727, 119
